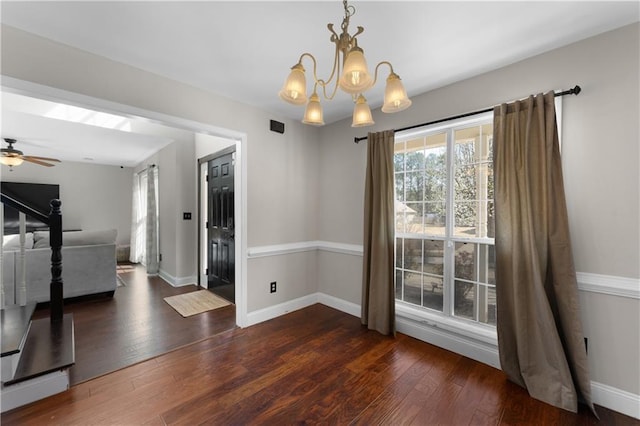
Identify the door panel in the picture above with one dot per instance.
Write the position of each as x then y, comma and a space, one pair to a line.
220, 227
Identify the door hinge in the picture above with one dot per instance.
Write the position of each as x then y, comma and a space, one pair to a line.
206, 224
207, 273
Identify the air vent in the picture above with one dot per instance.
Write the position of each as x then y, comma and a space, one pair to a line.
277, 126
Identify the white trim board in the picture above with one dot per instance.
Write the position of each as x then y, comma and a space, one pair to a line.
304, 246
35, 389
280, 309
609, 284
177, 281
616, 399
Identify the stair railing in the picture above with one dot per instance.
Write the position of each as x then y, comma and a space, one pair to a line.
54, 220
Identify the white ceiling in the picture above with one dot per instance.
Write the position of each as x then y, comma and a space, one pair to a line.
243, 50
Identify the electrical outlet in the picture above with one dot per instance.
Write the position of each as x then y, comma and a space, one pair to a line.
273, 286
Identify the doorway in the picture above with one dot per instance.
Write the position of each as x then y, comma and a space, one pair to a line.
220, 225
239, 139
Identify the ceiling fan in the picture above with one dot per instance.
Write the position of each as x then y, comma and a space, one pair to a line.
13, 157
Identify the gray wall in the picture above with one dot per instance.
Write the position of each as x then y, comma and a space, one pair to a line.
602, 182
176, 194
93, 196
282, 183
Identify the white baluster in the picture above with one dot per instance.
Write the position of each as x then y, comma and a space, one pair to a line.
23, 263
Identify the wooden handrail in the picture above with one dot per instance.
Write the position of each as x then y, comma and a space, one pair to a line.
21, 207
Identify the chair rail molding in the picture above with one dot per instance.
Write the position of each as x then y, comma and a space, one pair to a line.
595, 283
609, 284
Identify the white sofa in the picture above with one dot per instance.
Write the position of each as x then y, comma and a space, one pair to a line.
88, 264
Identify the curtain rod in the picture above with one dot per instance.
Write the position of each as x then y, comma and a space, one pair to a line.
149, 166
574, 91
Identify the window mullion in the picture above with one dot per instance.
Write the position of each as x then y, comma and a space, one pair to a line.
448, 289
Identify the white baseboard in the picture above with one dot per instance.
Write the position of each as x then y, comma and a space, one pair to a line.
177, 281
275, 311
339, 304
616, 399
34, 390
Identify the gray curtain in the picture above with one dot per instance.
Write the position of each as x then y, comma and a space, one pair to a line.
378, 296
151, 254
540, 335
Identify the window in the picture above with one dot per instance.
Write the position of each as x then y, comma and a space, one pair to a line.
140, 214
445, 258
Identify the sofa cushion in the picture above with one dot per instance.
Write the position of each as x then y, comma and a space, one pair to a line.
77, 238
12, 242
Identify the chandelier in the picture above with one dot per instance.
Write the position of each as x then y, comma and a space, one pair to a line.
350, 73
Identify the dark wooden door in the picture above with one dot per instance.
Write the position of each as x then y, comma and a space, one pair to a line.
220, 227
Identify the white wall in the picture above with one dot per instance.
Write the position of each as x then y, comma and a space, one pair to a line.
93, 196
601, 170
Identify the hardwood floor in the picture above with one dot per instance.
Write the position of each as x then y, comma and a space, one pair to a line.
313, 366
135, 325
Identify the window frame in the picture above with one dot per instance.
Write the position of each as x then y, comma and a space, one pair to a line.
446, 320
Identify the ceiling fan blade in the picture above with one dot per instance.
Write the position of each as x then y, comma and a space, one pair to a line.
35, 157
32, 160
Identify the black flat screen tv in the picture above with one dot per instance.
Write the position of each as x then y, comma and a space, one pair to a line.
35, 195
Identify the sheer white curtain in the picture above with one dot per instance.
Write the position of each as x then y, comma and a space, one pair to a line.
138, 219
152, 241
144, 221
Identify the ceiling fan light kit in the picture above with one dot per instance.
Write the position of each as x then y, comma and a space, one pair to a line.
12, 157
351, 74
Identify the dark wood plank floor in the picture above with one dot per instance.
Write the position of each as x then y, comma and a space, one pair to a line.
312, 366
135, 325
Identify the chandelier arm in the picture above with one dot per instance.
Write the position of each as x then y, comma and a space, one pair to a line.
319, 81
324, 84
375, 78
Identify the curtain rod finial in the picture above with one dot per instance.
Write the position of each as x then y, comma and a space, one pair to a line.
576, 90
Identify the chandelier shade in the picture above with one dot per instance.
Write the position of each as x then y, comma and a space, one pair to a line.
355, 76
395, 97
362, 113
349, 73
313, 112
294, 90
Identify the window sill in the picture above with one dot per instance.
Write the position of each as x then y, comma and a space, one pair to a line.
473, 341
